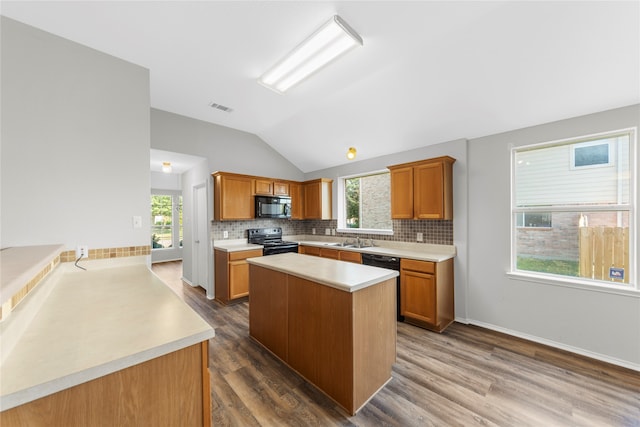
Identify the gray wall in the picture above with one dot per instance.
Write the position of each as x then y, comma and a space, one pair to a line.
75, 143
589, 321
225, 149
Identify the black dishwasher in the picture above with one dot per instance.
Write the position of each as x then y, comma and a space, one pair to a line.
390, 262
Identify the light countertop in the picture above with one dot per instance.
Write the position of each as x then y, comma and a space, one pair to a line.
422, 252
234, 245
90, 324
417, 251
346, 276
20, 264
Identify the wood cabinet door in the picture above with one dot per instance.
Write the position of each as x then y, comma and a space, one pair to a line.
402, 193
238, 279
418, 296
297, 200
312, 201
236, 198
280, 188
428, 191
263, 186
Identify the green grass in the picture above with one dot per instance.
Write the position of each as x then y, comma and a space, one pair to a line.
553, 266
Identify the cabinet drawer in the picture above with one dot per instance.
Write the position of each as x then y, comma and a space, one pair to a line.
350, 256
329, 253
309, 250
415, 265
234, 256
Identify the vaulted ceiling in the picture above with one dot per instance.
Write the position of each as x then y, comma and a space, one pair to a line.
428, 72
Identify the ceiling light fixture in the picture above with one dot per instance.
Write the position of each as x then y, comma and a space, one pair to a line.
351, 153
329, 42
166, 167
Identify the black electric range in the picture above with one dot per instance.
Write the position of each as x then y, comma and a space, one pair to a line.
271, 240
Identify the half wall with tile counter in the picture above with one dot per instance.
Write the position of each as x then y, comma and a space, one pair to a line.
81, 335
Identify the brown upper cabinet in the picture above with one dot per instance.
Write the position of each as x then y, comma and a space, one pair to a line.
317, 199
296, 191
269, 187
233, 197
423, 189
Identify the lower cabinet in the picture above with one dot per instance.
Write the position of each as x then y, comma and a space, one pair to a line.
170, 390
426, 293
232, 274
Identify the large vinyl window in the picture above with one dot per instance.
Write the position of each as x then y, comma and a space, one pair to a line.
573, 209
365, 203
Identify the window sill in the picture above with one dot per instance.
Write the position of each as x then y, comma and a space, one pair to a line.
576, 283
365, 231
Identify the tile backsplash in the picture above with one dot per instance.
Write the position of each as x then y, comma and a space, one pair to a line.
102, 253
438, 232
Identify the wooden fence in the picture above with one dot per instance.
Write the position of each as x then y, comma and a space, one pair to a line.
603, 248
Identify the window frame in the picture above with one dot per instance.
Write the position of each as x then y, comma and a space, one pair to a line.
630, 288
341, 208
175, 219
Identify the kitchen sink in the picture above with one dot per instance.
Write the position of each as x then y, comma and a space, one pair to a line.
348, 245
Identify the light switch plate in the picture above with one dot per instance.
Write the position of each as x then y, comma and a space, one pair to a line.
137, 222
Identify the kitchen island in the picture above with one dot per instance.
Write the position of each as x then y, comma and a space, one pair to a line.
112, 345
331, 321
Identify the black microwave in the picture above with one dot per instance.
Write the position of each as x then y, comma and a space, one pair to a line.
273, 207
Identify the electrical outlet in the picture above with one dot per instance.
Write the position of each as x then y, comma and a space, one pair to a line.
82, 251
333, 231
225, 234
313, 231
327, 232
419, 237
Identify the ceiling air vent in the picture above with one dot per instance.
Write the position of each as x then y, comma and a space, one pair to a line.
220, 107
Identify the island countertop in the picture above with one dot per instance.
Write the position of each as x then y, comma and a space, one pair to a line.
342, 275
90, 324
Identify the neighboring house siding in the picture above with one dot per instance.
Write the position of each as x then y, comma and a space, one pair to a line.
546, 177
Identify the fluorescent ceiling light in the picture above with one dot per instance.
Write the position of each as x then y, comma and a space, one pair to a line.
329, 42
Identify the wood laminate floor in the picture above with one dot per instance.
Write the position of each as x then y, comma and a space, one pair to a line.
466, 376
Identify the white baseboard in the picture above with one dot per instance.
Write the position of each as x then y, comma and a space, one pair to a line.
550, 343
209, 297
